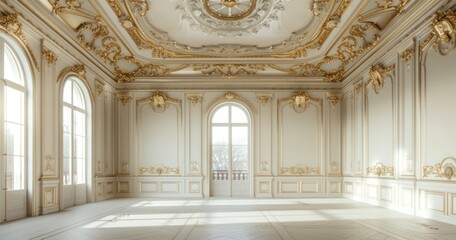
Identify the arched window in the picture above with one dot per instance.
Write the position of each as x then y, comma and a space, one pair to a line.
76, 136
230, 151
15, 127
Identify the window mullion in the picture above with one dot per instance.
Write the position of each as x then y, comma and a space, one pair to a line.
2, 61
230, 150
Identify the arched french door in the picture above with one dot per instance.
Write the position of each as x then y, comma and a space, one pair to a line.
15, 129
230, 151
76, 146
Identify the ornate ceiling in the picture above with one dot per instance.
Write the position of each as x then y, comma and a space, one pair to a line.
146, 40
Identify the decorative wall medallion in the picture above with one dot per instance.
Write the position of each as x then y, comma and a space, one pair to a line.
377, 77
300, 102
49, 165
159, 101
444, 28
300, 170
445, 169
264, 167
194, 167
380, 170
158, 170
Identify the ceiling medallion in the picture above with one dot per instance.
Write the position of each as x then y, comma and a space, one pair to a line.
229, 9
230, 17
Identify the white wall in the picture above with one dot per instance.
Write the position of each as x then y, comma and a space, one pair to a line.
405, 131
284, 143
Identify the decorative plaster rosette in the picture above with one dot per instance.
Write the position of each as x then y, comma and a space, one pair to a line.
260, 17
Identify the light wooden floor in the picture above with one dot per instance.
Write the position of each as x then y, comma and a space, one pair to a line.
227, 219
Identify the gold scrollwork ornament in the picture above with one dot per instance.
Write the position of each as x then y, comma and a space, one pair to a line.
300, 101
377, 77
445, 31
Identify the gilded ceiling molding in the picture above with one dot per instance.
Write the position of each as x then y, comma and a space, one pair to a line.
195, 99
377, 77
159, 170
164, 47
300, 101
159, 101
124, 97
333, 100
145, 70
229, 70
351, 46
10, 22
299, 170
264, 99
78, 70
380, 170
445, 169
388, 4
318, 7
49, 56
72, 7
385, 9
96, 37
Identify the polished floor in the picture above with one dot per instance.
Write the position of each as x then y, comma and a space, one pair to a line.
238, 219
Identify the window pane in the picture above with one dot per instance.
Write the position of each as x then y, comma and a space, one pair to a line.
67, 171
14, 139
79, 147
219, 158
11, 67
221, 116
67, 91
219, 135
67, 120
79, 171
67, 145
78, 99
79, 123
14, 173
240, 158
238, 116
240, 135
14, 108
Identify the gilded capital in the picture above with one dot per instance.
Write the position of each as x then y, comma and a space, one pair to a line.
264, 99
333, 100
194, 100
124, 97
49, 56
377, 77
